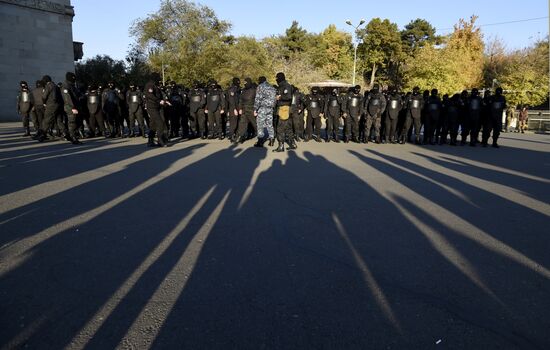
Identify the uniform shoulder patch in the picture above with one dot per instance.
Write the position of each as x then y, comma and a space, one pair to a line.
65, 91
150, 90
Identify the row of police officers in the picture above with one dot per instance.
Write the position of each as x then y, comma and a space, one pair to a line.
163, 112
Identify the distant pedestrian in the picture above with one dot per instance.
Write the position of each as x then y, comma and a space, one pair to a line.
523, 119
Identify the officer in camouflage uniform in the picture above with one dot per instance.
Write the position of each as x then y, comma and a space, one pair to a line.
263, 107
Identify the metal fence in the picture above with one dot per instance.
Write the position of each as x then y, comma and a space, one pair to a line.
539, 121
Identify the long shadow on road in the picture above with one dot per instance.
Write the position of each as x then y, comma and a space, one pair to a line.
240, 250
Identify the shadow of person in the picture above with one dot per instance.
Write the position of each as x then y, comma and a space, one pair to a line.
238, 249
86, 267
321, 260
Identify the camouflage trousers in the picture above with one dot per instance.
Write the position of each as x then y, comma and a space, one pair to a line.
264, 120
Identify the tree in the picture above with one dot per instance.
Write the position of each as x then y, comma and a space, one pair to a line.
296, 40
466, 46
334, 54
246, 57
495, 61
452, 67
417, 34
525, 77
100, 70
381, 47
299, 71
137, 70
188, 39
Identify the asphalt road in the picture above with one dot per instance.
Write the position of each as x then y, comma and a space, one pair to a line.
333, 246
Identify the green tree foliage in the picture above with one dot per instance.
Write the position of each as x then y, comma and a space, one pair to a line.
381, 48
417, 34
296, 40
100, 70
188, 39
452, 67
525, 76
246, 57
334, 54
137, 69
191, 42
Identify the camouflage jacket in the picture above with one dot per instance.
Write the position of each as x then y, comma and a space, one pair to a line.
265, 97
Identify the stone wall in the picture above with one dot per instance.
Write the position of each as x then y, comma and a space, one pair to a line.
35, 39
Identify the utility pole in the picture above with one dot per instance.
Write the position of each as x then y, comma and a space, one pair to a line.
355, 45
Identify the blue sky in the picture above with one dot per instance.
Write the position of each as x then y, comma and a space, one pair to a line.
103, 25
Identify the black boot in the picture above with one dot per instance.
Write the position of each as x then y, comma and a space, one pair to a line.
27, 132
260, 142
292, 144
377, 139
280, 147
271, 142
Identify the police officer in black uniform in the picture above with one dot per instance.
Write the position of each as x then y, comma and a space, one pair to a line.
53, 102
433, 110
246, 109
176, 99
333, 111
232, 97
197, 102
394, 106
96, 121
296, 113
497, 104
215, 107
111, 109
375, 105
284, 125
154, 101
475, 105
71, 105
353, 109
451, 115
134, 99
24, 106
315, 105
414, 105
37, 110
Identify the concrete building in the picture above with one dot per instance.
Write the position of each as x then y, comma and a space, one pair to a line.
36, 38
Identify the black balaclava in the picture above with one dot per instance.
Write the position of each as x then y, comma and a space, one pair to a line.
434, 92
111, 85
314, 91
236, 82
498, 91
39, 84
71, 77
262, 79
475, 92
196, 84
280, 77
46, 79
24, 85
248, 83
132, 87
375, 88
335, 92
357, 89
416, 90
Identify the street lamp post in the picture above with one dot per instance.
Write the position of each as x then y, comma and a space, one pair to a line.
356, 44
